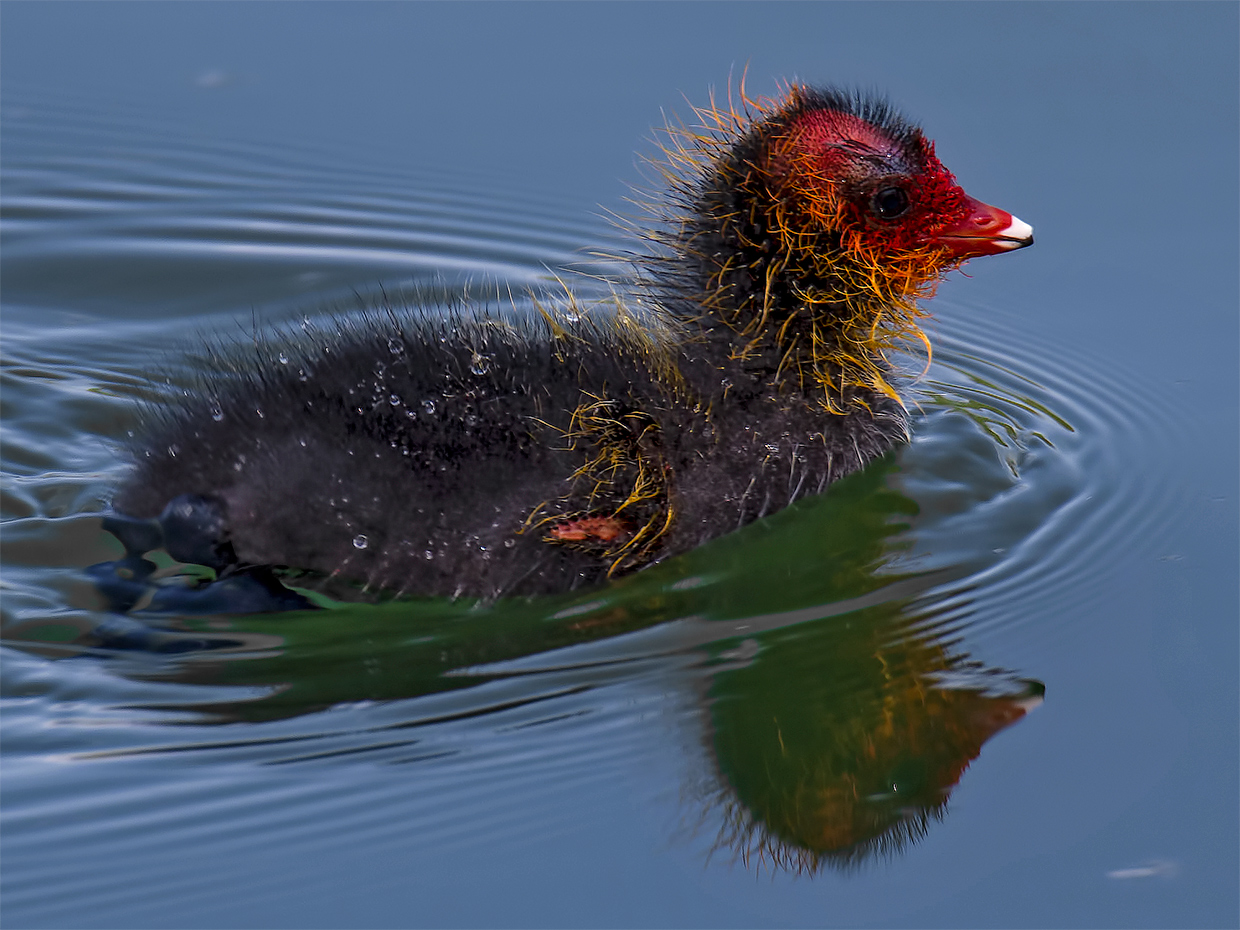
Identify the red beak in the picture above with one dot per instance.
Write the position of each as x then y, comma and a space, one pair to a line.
986, 230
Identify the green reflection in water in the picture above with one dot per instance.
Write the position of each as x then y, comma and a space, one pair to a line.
841, 709
806, 562
843, 739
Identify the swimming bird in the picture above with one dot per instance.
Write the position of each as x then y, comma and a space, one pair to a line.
468, 450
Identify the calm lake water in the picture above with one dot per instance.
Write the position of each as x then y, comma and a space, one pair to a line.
999, 666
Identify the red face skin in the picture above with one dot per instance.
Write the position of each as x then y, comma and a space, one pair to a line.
861, 167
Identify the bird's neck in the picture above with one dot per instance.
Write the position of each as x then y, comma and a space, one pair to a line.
797, 305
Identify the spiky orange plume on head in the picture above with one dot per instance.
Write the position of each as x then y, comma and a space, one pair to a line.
887, 196
809, 226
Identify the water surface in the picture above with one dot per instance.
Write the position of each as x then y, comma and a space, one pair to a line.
695, 744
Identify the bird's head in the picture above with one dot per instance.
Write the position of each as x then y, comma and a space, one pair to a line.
808, 226
847, 167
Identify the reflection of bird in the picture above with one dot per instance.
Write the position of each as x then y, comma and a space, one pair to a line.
465, 451
842, 742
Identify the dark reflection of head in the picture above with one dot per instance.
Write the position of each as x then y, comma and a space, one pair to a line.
842, 741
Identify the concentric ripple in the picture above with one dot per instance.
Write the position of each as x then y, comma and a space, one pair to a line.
198, 225
1068, 428
1014, 488
1019, 446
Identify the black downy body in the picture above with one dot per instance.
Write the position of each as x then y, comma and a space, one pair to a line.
458, 450
421, 469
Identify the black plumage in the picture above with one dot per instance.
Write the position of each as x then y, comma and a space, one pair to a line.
412, 449
455, 448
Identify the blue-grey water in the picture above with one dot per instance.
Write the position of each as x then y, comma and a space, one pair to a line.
1063, 525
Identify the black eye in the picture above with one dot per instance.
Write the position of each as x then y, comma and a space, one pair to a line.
890, 203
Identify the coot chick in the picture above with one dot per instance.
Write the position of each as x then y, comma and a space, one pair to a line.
463, 450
